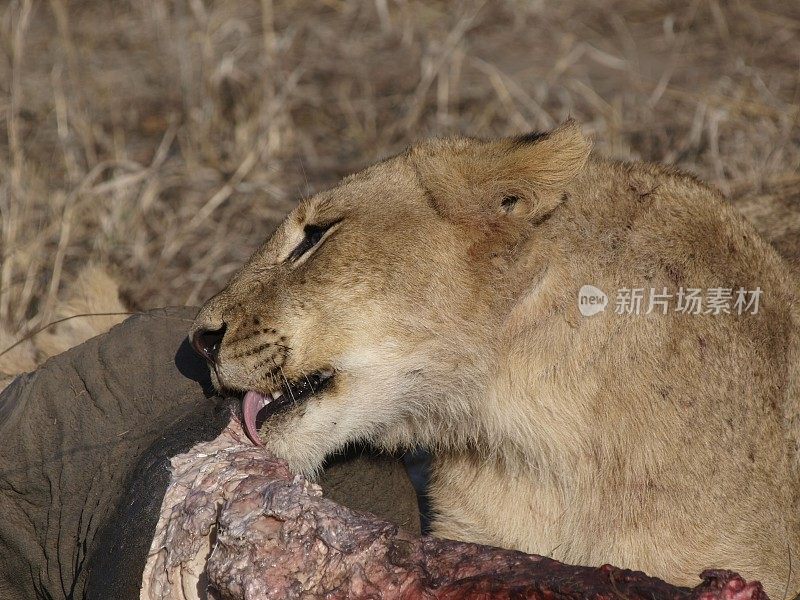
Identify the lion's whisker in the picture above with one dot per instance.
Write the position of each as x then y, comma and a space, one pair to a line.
285, 380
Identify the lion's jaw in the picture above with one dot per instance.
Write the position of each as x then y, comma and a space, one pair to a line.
390, 401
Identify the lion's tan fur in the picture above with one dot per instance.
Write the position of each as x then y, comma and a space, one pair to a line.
446, 300
93, 291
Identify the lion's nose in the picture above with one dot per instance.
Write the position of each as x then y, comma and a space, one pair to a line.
208, 341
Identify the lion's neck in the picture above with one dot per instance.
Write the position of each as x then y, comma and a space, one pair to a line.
477, 499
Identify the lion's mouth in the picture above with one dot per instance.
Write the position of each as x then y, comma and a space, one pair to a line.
258, 407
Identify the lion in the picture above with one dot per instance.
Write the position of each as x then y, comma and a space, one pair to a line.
90, 306
435, 300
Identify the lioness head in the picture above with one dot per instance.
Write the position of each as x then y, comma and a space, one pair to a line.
373, 311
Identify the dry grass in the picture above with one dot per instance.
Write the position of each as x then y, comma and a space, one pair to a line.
164, 138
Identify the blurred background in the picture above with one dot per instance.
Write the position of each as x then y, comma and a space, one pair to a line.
162, 140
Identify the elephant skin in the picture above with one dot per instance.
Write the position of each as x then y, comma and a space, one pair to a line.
85, 443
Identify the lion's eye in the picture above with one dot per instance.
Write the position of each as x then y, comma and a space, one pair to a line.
313, 234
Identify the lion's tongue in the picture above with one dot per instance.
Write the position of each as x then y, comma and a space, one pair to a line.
251, 405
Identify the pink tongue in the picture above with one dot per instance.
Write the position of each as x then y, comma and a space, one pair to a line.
252, 403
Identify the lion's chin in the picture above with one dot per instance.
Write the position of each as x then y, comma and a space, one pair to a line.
258, 407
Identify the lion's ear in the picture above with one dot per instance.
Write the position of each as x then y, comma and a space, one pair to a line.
548, 160
523, 177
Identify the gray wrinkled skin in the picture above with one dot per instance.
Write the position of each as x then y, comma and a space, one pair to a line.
85, 445
71, 435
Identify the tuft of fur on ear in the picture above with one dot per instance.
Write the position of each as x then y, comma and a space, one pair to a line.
524, 177
552, 159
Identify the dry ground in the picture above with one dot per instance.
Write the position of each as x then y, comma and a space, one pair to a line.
163, 139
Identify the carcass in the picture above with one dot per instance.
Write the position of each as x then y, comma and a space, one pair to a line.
236, 524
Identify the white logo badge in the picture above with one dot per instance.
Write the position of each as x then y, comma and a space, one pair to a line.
591, 300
